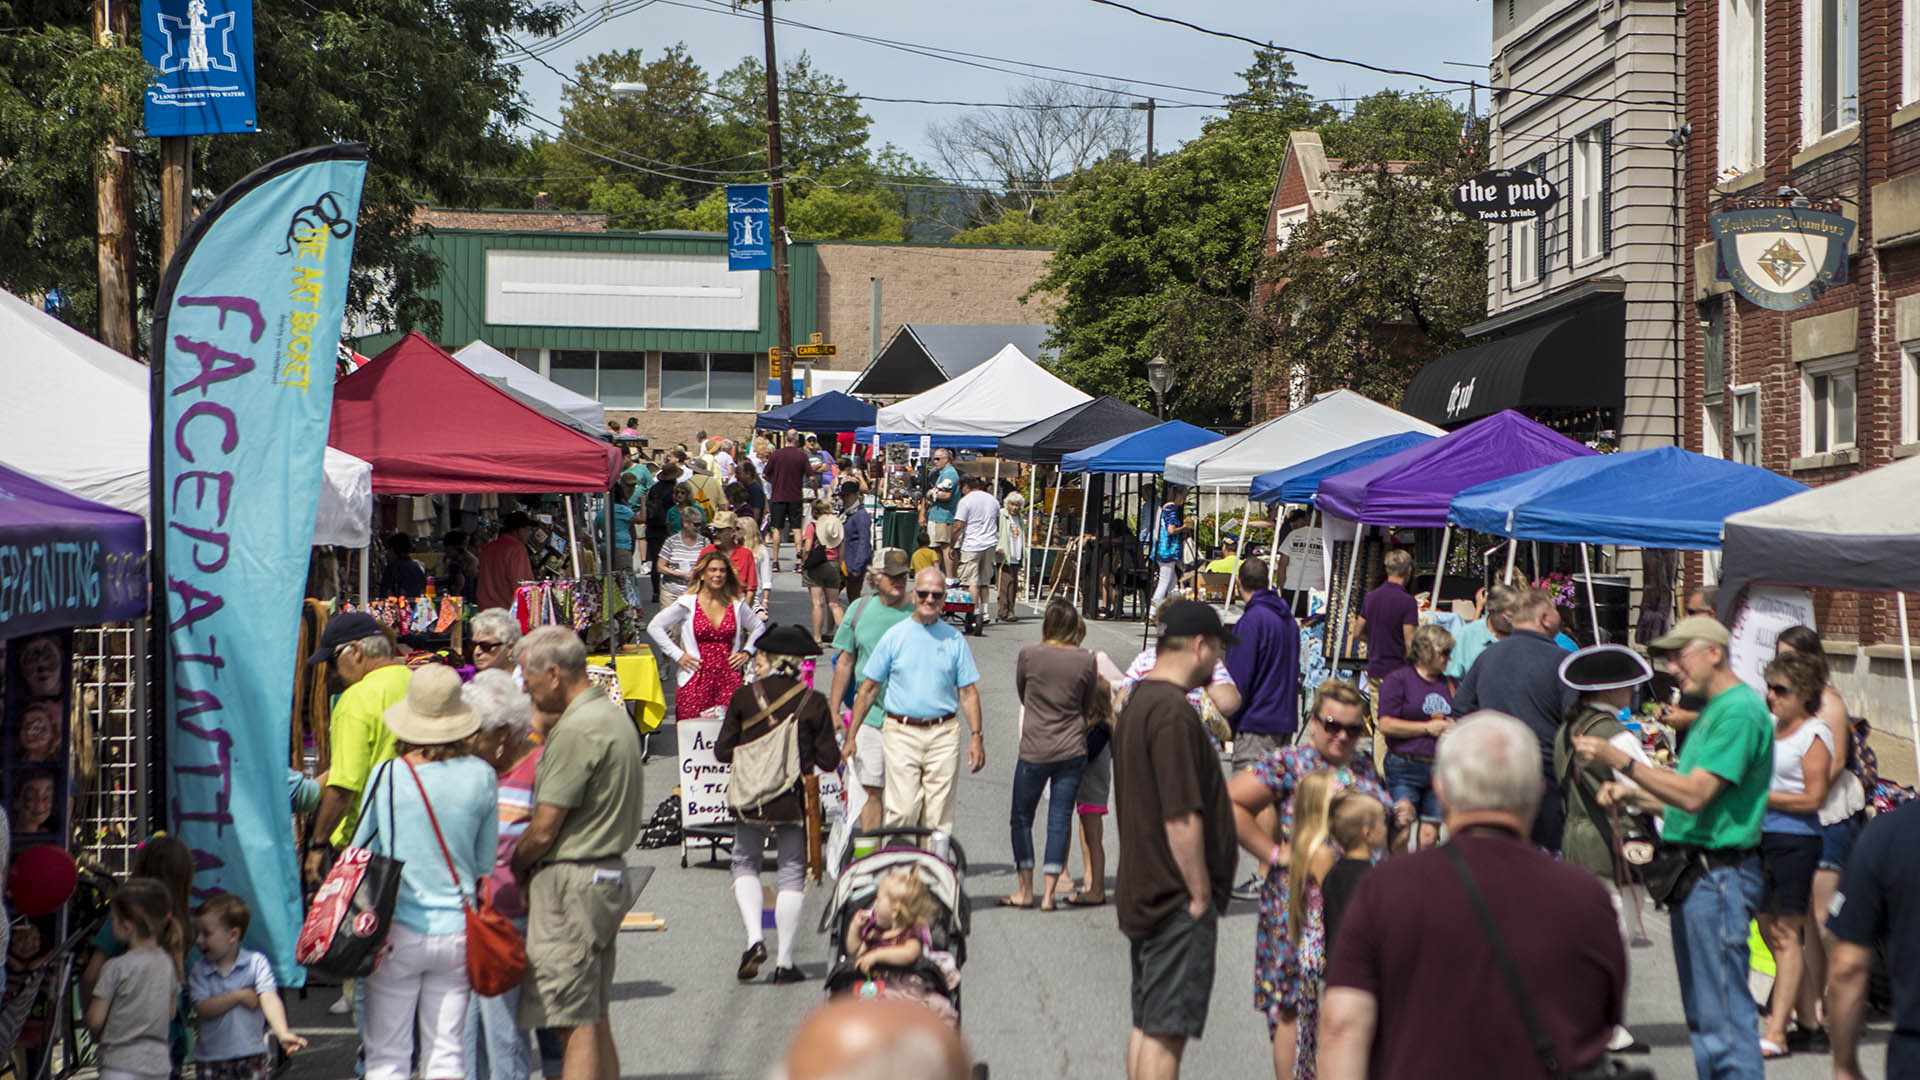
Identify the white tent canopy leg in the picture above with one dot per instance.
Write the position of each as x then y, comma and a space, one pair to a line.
1353, 579
1440, 568
1053, 509
1079, 553
1593, 609
1246, 552
1906, 660
1026, 541
573, 542
1513, 546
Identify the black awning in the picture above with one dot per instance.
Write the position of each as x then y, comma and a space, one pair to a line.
1571, 360
1087, 424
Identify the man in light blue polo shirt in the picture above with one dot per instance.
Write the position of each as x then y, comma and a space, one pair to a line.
943, 498
928, 675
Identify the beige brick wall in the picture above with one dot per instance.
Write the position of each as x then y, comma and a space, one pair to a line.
923, 283
512, 220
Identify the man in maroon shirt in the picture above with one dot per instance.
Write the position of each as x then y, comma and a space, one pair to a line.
1413, 990
787, 471
504, 564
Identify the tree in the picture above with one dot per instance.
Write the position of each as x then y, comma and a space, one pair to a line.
1025, 155
425, 86
1384, 283
652, 142
1164, 260
821, 125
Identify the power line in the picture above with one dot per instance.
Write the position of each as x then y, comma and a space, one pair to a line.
1362, 64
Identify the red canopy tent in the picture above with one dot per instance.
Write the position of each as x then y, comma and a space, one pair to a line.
430, 425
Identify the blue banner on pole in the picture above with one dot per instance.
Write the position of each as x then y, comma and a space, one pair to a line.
244, 336
749, 228
201, 52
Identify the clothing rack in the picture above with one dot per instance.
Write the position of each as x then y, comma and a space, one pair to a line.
609, 602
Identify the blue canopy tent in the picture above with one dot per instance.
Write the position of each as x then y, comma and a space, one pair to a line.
864, 436
1143, 451
1297, 483
1660, 498
1665, 497
830, 413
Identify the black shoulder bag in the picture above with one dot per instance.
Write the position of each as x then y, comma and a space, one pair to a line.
1668, 871
1608, 1068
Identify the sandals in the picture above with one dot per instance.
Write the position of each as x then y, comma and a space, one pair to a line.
1010, 902
1078, 901
1770, 1050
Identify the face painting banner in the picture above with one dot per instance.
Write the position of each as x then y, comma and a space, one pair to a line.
244, 336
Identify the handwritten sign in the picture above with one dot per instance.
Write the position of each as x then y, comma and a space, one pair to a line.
703, 779
1756, 629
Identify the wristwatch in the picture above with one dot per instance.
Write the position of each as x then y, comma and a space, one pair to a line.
1627, 769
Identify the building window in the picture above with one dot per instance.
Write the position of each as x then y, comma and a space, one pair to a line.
526, 358
1829, 67
1590, 210
617, 380
1523, 252
1714, 355
711, 382
1910, 52
1742, 63
1910, 393
1827, 406
1285, 221
1746, 425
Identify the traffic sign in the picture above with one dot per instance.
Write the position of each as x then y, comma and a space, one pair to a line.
815, 352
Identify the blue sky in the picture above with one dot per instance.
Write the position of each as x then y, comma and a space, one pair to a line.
1418, 35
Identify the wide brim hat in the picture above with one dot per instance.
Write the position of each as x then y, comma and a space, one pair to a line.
829, 531
433, 712
1604, 667
786, 639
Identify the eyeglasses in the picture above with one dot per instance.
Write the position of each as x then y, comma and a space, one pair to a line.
487, 646
1351, 731
340, 650
929, 594
1776, 688
1698, 611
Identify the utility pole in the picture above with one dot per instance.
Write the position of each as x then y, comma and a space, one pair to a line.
176, 194
777, 211
113, 211
1147, 107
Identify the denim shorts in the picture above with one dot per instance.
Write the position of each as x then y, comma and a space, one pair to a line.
1412, 781
1836, 841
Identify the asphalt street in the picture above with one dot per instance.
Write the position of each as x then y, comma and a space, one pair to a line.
1045, 993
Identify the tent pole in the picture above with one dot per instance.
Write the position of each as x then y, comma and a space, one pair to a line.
1052, 510
1593, 608
1538, 574
1079, 553
366, 567
613, 624
1440, 568
1026, 541
1906, 659
573, 543
1512, 547
1353, 582
1245, 548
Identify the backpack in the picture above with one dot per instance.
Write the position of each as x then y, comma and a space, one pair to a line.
769, 766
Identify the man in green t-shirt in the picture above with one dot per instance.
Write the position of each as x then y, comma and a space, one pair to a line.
867, 621
1712, 802
363, 657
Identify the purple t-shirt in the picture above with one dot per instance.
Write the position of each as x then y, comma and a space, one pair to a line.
1406, 696
1387, 609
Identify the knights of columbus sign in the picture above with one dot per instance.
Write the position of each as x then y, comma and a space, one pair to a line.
1781, 252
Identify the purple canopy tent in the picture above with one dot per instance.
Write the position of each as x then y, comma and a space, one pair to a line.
1415, 487
64, 560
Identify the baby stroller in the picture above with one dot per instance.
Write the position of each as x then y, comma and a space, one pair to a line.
938, 968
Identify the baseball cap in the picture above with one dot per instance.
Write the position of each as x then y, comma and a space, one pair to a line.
892, 562
1692, 628
342, 628
1190, 618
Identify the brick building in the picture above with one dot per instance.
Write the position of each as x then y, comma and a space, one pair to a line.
653, 325
1820, 100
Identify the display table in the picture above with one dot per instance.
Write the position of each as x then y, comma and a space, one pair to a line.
639, 682
900, 528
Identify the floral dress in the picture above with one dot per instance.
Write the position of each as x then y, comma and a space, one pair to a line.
1281, 980
1311, 960
714, 684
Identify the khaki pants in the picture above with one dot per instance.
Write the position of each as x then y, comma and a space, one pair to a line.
1009, 590
922, 765
976, 572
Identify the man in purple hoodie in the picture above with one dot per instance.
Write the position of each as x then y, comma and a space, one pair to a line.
1266, 666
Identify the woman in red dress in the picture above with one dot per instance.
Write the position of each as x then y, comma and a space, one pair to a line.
709, 633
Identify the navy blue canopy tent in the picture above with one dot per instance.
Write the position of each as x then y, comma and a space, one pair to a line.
1297, 483
824, 414
1139, 451
1660, 498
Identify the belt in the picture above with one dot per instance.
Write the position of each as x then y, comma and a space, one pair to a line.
921, 721
1424, 759
1727, 856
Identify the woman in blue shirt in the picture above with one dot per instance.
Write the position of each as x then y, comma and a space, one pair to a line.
435, 780
1169, 533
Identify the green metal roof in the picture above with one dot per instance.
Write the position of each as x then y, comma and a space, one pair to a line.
461, 293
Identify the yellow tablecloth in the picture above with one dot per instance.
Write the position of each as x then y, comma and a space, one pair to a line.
639, 681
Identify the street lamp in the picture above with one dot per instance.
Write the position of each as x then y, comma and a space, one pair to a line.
1160, 377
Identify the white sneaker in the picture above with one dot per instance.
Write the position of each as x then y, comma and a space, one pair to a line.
340, 1007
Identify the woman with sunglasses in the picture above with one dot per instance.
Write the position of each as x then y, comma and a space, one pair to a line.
709, 635
495, 632
1281, 987
1790, 837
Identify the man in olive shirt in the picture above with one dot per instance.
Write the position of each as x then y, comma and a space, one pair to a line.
1713, 802
588, 810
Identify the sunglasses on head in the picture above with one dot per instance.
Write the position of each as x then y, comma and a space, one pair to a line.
929, 594
1352, 731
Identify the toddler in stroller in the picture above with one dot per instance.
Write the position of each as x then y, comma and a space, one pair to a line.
899, 922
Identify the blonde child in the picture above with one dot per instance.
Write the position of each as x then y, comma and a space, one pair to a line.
763, 559
1358, 824
1306, 871
893, 934
236, 999
138, 992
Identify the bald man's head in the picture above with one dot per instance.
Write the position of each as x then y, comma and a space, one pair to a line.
851, 1039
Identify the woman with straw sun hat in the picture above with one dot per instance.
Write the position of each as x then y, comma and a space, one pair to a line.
433, 781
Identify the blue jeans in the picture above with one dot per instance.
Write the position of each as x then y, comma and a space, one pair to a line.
1029, 778
1412, 781
1710, 951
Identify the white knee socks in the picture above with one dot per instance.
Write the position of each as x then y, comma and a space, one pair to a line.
786, 917
746, 892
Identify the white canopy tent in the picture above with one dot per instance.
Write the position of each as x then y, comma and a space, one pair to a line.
999, 397
1335, 419
484, 359
76, 414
